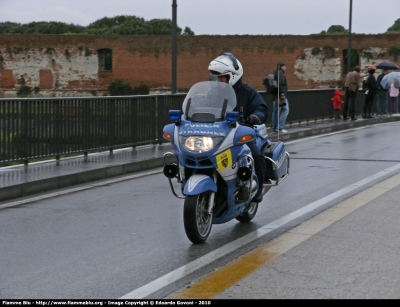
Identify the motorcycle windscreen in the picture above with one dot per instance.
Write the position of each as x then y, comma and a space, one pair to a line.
211, 98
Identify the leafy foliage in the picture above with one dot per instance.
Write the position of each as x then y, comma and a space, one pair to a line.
24, 91
6, 27
41, 27
327, 51
394, 51
118, 25
395, 27
119, 88
188, 31
335, 29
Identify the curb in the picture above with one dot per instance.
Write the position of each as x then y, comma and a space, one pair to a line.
48, 184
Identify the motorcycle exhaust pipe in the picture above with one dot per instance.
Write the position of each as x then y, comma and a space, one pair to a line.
244, 173
170, 170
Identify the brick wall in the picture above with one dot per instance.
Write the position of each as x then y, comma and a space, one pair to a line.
62, 64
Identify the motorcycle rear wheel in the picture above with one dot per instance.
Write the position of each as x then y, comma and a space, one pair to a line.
196, 219
249, 214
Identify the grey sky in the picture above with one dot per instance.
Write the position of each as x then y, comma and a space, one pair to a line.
218, 17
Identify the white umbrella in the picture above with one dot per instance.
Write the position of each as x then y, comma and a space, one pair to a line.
391, 78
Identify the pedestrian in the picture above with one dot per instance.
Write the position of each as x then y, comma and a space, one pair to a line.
394, 96
370, 87
351, 86
281, 105
250, 105
337, 103
382, 97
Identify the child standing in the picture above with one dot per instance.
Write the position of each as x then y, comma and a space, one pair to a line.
337, 103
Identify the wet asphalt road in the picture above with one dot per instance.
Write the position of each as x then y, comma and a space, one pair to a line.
108, 240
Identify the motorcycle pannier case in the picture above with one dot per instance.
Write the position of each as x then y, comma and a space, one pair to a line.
276, 152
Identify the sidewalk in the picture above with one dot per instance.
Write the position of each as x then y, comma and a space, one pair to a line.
350, 251
21, 180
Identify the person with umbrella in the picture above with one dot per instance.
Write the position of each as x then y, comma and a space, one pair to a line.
394, 96
389, 81
392, 81
370, 87
387, 65
382, 97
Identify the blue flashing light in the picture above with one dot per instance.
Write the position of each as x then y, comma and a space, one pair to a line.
175, 114
232, 116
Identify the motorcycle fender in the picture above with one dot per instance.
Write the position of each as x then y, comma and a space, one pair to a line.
198, 184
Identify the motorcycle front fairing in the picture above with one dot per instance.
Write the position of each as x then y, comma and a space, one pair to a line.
205, 141
224, 159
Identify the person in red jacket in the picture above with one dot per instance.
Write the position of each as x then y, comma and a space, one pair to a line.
337, 103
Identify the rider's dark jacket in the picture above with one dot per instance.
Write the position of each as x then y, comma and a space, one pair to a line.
249, 101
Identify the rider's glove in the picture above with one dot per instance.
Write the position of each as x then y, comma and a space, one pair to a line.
254, 120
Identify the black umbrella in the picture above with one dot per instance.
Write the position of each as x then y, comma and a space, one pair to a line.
387, 65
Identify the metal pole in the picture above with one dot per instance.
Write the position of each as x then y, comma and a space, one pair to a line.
174, 48
349, 43
277, 102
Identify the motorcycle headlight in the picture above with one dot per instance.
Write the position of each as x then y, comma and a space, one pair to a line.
199, 144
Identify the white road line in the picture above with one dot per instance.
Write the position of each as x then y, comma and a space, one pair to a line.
189, 268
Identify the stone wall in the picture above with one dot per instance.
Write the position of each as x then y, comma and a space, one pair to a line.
68, 65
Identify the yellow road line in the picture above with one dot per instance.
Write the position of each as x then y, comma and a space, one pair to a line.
229, 275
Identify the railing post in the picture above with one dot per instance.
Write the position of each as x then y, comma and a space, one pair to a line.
86, 125
57, 127
134, 120
111, 126
25, 130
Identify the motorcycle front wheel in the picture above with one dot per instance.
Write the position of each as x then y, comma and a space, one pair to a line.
249, 214
196, 219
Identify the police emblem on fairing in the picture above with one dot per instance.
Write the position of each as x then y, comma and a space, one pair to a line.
224, 160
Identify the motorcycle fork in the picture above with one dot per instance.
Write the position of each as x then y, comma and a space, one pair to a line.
212, 195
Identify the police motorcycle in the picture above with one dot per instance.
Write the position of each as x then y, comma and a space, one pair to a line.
212, 162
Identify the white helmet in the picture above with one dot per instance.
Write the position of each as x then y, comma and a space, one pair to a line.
227, 65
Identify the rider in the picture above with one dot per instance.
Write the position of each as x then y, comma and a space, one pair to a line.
250, 105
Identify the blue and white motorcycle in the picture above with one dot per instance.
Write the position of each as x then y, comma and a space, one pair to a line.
212, 162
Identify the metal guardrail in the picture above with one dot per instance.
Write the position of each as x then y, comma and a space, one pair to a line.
33, 128
37, 128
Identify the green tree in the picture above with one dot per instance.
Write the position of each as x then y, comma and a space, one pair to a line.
43, 27
122, 24
6, 27
107, 22
161, 27
335, 29
395, 27
118, 25
188, 31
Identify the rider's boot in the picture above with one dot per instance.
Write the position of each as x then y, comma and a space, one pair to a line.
259, 196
